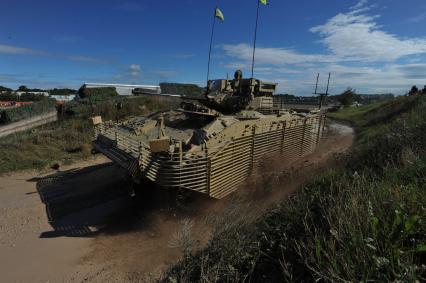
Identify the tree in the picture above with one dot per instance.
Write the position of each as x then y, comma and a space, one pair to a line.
414, 90
182, 89
347, 97
5, 89
23, 88
97, 92
4, 118
424, 90
62, 91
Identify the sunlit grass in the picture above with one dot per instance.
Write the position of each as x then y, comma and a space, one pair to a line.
365, 221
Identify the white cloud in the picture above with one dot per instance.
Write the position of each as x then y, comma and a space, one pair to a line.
359, 5
274, 56
359, 52
135, 67
15, 50
9, 49
418, 18
135, 70
357, 36
80, 58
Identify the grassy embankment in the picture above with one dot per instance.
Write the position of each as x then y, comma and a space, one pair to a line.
69, 138
363, 222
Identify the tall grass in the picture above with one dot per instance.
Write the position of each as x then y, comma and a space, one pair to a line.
363, 222
69, 138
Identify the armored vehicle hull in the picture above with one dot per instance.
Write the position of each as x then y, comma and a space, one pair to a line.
213, 158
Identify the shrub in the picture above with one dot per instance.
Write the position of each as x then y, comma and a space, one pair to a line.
27, 111
363, 222
97, 93
190, 90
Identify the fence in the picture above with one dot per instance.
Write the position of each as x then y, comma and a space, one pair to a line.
27, 124
214, 171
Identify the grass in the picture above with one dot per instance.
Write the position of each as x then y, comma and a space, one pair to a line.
69, 139
363, 222
59, 142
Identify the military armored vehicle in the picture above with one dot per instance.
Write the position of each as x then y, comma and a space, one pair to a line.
210, 144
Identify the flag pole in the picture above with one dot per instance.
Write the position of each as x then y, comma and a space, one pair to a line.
255, 35
211, 42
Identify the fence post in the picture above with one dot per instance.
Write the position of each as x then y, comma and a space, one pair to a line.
323, 126
303, 137
319, 128
208, 168
282, 137
253, 133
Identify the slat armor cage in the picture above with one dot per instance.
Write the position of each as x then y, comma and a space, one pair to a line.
217, 170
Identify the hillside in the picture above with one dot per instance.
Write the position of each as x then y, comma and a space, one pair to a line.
363, 222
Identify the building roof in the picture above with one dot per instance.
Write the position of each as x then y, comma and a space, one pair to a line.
120, 85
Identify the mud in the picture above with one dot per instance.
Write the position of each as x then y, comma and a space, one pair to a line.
79, 223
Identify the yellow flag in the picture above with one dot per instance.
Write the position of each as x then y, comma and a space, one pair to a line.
218, 14
264, 2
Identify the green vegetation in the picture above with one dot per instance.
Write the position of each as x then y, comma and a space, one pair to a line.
349, 96
97, 93
190, 90
363, 222
26, 89
376, 113
26, 111
5, 89
27, 96
55, 91
69, 139
62, 142
62, 91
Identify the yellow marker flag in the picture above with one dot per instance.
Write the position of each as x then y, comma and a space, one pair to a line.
264, 2
218, 14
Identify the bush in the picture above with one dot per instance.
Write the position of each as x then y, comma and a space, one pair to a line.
8, 96
70, 137
27, 96
363, 222
27, 111
190, 90
62, 91
97, 93
59, 142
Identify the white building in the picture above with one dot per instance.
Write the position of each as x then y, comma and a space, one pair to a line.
44, 93
124, 89
63, 98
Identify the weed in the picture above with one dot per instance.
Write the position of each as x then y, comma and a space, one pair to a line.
363, 222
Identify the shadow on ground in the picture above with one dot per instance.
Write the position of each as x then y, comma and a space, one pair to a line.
84, 202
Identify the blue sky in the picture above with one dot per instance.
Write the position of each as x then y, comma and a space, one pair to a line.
372, 46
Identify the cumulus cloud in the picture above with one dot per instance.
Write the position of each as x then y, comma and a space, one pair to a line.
135, 70
358, 51
356, 36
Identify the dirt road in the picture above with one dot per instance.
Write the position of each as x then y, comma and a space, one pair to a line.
79, 224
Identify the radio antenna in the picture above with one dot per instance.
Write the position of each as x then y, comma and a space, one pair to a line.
322, 94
